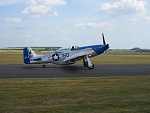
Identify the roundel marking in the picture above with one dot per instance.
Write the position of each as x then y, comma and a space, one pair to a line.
55, 57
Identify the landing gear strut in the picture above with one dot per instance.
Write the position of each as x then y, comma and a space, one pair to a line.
87, 62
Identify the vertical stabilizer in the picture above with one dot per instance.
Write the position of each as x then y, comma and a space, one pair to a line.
26, 56
31, 53
28, 53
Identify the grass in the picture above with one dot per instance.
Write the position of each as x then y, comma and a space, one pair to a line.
11, 58
122, 58
110, 58
104, 94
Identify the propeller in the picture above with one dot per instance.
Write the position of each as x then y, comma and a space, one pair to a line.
103, 39
106, 46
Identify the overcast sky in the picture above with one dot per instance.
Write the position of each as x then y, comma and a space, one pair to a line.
125, 23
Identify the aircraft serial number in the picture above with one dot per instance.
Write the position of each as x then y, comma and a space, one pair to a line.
64, 55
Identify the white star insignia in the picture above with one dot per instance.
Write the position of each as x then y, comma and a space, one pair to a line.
55, 57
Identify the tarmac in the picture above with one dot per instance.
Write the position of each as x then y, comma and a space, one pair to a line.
63, 71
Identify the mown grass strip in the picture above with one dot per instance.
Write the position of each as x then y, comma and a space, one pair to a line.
103, 94
110, 58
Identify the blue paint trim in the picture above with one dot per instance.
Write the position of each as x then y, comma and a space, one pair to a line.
97, 48
26, 56
92, 46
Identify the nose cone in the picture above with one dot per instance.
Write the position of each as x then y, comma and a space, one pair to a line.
106, 46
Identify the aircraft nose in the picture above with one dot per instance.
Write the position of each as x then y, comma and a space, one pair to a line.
106, 46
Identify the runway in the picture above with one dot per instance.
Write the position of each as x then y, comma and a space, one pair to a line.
57, 71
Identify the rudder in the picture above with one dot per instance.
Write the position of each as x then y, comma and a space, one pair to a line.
26, 56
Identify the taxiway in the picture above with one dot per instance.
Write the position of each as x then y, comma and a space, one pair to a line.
58, 71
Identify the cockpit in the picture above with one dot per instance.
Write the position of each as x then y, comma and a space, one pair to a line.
74, 48
68, 49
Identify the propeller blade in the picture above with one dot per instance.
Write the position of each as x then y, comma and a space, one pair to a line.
103, 39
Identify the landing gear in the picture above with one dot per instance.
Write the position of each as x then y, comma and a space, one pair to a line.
87, 62
91, 67
43, 66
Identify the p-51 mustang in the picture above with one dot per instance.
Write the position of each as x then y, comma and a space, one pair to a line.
66, 56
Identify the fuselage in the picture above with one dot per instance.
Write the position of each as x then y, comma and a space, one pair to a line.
66, 56
62, 56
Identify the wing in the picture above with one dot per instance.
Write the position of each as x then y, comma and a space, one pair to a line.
79, 54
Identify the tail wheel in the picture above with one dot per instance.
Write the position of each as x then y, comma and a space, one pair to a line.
43, 66
91, 67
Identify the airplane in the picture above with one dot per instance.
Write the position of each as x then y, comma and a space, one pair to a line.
66, 56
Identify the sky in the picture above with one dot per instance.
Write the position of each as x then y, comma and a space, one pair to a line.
125, 23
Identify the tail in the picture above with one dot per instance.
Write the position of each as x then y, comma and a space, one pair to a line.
28, 53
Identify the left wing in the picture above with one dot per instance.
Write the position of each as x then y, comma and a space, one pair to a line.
79, 54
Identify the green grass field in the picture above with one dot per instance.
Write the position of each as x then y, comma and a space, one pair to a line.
88, 95
70, 95
110, 58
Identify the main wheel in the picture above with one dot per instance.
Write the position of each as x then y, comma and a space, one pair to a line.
91, 67
43, 66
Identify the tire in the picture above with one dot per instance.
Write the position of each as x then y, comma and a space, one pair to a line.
85, 64
43, 66
91, 67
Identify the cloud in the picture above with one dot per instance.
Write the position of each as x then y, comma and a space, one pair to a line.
13, 20
10, 2
62, 36
55, 13
36, 8
22, 27
139, 19
64, 32
92, 25
31, 38
133, 20
124, 5
146, 18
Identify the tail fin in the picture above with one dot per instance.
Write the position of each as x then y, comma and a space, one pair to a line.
28, 53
